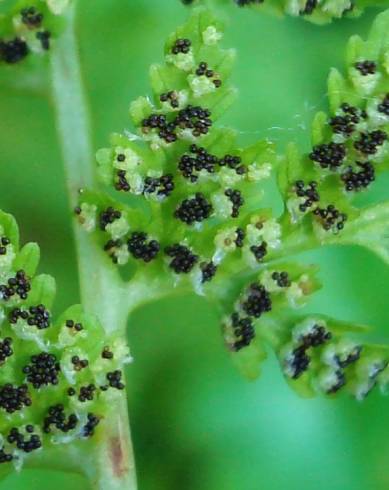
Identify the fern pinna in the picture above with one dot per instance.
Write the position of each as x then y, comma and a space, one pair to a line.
316, 11
183, 205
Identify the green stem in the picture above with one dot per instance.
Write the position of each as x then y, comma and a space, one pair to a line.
102, 292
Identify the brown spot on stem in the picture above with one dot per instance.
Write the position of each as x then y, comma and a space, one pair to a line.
119, 458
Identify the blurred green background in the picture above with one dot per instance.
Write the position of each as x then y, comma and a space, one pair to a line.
196, 424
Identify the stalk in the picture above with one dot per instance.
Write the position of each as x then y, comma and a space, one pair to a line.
102, 292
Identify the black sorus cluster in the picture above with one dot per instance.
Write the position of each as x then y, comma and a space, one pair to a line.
331, 218
183, 259
199, 159
204, 70
194, 209
140, 247
37, 316
243, 329
300, 359
309, 192
355, 180
196, 119
258, 301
